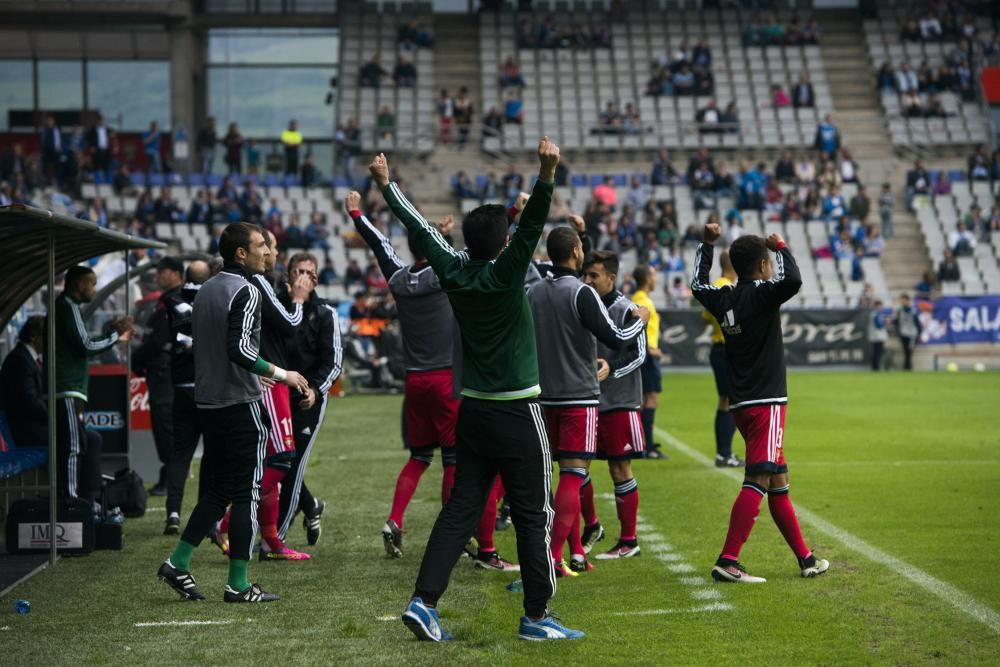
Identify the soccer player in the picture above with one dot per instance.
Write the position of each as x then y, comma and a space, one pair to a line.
724, 425
177, 307
427, 324
315, 352
749, 313
226, 325
652, 380
78, 449
619, 429
568, 316
500, 426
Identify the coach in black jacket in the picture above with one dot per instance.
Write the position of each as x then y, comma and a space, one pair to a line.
317, 354
21, 386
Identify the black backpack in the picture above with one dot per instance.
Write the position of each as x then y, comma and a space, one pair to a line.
126, 491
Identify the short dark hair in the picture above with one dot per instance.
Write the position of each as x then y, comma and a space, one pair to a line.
746, 253
33, 327
300, 257
605, 258
415, 250
641, 275
485, 229
234, 236
560, 244
74, 275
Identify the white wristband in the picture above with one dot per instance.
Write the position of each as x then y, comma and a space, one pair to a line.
279, 374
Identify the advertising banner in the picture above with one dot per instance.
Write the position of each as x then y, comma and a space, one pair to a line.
954, 320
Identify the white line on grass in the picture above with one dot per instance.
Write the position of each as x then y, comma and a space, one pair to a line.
706, 594
713, 606
386, 619
163, 624
693, 581
945, 591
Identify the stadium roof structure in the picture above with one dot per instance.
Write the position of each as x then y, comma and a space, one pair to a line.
25, 233
39, 245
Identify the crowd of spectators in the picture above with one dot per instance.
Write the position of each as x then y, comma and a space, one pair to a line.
404, 73
615, 121
687, 71
549, 34
772, 31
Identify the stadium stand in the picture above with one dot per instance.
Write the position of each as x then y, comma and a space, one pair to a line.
964, 122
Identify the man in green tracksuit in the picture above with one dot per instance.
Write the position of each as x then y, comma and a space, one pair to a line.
501, 427
78, 449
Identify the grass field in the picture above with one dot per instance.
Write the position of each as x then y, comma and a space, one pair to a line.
895, 466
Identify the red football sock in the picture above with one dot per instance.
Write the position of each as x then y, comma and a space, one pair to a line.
406, 486
627, 505
567, 508
575, 543
447, 483
224, 524
587, 503
488, 522
745, 511
267, 515
783, 514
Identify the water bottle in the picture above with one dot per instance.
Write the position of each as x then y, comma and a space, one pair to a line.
115, 517
22, 607
515, 586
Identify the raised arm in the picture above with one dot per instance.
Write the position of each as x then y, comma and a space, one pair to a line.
273, 312
594, 317
787, 280
385, 254
701, 286
512, 263
242, 325
332, 358
441, 256
629, 358
74, 332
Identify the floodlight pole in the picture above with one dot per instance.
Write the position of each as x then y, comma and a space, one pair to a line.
50, 354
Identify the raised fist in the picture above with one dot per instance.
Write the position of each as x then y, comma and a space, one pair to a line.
712, 232
353, 201
379, 169
548, 156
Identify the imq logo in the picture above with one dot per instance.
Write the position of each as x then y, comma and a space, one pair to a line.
107, 420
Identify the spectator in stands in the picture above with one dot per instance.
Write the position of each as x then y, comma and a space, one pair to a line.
684, 81
834, 206
734, 226
627, 232
610, 120
492, 123
934, 108
513, 182
233, 141
911, 105
874, 243
631, 122
878, 333
291, 139
201, 209
979, 164
995, 160
328, 276
942, 186
708, 118
251, 203
784, 169
253, 157
992, 224
704, 82
165, 208
974, 220
774, 201
886, 204
638, 193
411, 35
548, 33
99, 146
385, 123
463, 115
841, 246
961, 241
885, 79
857, 265
513, 108
774, 31
13, 163
525, 33
925, 287
227, 191
122, 182
310, 175
702, 183
371, 73
404, 73
805, 171
830, 176
753, 185
725, 186
918, 183
906, 80
848, 167
463, 187
348, 142
965, 81
701, 55
510, 74
151, 147
317, 233
948, 269
205, 143
53, 151
930, 28
354, 277
910, 31
606, 193
827, 136
661, 83
860, 205
811, 31
790, 208
803, 95
702, 155
294, 236
779, 98
96, 212
663, 169
600, 37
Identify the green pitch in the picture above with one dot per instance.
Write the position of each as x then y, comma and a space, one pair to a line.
893, 466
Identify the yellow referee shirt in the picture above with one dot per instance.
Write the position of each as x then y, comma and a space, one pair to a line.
717, 336
641, 298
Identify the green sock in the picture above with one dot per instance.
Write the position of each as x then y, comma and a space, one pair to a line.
238, 580
181, 558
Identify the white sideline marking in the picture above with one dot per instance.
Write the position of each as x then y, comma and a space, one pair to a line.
681, 568
669, 557
162, 624
660, 548
5, 628
713, 606
945, 591
386, 619
693, 581
706, 594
